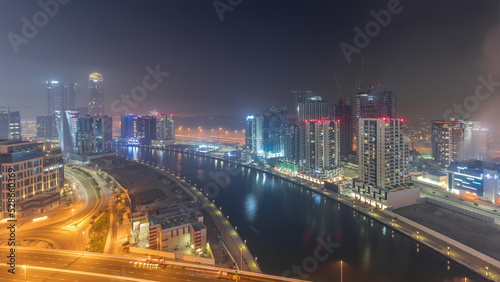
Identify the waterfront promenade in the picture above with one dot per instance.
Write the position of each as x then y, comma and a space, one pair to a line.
484, 265
236, 247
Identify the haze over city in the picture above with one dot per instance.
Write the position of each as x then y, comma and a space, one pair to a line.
254, 57
249, 140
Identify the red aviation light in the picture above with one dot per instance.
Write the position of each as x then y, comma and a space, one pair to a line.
402, 120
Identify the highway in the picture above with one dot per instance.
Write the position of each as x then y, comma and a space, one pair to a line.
65, 226
107, 199
57, 265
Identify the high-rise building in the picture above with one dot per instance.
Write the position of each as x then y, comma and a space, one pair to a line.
10, 125
273, 126
310, 107
383, 153
376, 103
96, 95
146, 129
458, 140
129, 126
321, 145
54, 96
66, 128
254, 134
165, 129
293, 144
475, 145
447, 141
46, 126
342, 113
60, 96
265, 132
92, 134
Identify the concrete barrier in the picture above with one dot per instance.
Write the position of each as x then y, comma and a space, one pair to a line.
150, 252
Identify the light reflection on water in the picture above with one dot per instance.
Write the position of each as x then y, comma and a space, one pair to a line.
276, 217
250, 207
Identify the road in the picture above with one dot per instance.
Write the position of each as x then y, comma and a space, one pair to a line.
107, 199
236, 246
54, 265
65, 226
447, 197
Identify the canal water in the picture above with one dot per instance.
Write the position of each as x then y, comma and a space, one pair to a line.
295, 232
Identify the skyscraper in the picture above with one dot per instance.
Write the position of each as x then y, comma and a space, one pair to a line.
146, 129
254, 134
96, 95
46, 126
129, 126
66, 128
475, 146
274, 122
321, 145
376, 103
310, 107
165, 129
60, 96
92, 134
342, 113
383, 153
447, 141
293, 144
458, 140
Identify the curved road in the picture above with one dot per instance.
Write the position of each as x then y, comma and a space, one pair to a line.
59, 227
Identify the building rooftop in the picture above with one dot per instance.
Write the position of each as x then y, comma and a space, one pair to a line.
175, 215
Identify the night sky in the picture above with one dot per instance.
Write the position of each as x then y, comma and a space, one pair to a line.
430, 53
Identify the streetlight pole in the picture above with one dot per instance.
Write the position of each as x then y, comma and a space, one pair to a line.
341, 274
25, 272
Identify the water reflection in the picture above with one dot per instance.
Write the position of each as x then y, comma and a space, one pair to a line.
250, 207
283, 221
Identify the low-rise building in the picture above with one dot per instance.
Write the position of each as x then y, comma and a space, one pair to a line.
386, 198
475, 179
177, 228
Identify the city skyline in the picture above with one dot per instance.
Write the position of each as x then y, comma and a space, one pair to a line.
250, 140
238, 66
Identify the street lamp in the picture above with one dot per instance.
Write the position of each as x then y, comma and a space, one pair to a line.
25, 272
73, 217
341, 273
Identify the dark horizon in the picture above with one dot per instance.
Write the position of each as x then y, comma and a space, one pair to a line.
254, 57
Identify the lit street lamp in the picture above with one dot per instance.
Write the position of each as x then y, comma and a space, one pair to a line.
25, 272
341, 273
